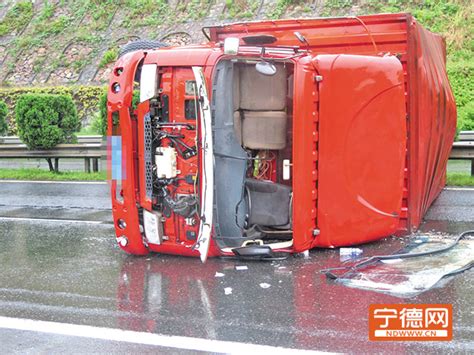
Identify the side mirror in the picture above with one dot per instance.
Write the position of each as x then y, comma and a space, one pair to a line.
266, 68
148, 82
231, 45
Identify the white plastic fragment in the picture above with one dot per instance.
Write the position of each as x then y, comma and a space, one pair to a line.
421, 239
219, 274
303, 254
392, 261
228, 290
264, 285
349, 253
241, 267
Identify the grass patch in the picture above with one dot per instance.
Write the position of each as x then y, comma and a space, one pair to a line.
45, 175
109, 57
241, 8
17, 17
459, 179
90, 130
459, 166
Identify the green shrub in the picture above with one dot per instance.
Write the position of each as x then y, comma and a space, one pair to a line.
44, 121
86, 98
3, 118
466, 117
100, 123
460, 77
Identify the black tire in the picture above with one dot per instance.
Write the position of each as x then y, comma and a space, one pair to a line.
140, 45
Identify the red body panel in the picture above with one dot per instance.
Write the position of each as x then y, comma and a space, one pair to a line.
370, 140
329, 35
305, 155
430, 103
362, 140
432, 123
121, 102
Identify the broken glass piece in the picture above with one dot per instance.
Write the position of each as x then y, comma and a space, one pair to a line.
411, 276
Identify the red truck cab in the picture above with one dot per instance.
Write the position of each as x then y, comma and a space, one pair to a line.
279, 136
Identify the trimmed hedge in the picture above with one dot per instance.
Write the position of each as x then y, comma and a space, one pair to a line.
44, 121
86, 99
3, 118
100, 123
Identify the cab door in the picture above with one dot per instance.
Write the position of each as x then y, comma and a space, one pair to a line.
361, 148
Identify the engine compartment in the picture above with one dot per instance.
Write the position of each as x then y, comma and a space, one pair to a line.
174, 172
251, 129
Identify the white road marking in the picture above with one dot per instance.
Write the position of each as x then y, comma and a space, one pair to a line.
24, 219
55, 182
459, 188
169, 341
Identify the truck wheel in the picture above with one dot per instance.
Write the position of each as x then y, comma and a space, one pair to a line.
140, 45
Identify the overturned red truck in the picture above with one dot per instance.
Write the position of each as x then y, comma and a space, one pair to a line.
279, 136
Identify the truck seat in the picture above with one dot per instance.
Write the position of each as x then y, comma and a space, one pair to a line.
268, 203
260, 120
261, 129
260, 92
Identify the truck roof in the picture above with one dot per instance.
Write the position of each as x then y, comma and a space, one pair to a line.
368, 34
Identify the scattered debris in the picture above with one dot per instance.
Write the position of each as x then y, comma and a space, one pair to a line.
241, 267
264, 285
421, 265
392, 261
349, 253
228, 290
421, 239
303, 254
219, 274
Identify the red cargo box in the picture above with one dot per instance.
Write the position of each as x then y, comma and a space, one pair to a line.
430, 105
362, 113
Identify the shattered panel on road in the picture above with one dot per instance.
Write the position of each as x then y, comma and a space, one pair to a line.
408, 277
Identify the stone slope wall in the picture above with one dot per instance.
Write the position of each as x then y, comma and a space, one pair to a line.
69, 41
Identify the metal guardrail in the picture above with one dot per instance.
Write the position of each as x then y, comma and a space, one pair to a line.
92, 148
80, 139
463, 151
89, 148
466, 136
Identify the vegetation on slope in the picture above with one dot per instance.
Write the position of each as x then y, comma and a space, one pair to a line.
43, 32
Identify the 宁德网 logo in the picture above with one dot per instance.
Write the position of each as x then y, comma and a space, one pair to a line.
410, 322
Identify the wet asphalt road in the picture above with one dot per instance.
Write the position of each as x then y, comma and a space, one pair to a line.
56, 269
